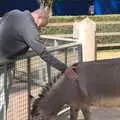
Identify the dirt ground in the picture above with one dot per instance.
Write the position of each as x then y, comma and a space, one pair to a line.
96, 114
18, 103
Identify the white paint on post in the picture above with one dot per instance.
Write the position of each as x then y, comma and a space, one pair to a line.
75, 33
55, 45
76, 29
87, 30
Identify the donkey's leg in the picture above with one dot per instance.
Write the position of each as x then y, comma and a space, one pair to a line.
74, 112
86, 112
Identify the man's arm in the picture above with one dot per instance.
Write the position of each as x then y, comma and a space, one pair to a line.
31, 37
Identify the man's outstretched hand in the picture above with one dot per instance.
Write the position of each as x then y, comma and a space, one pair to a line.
70, 72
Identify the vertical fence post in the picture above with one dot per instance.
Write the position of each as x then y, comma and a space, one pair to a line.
80, 58
43, 73
66, 53
56, 44
29, 84
14, 69
49, 74
87, 30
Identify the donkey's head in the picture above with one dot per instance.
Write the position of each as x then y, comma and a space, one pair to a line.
52, 99
40, 107
38, 111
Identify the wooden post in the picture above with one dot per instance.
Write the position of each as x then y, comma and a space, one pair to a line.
87, 30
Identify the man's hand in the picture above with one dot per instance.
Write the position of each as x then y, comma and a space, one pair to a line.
70, 72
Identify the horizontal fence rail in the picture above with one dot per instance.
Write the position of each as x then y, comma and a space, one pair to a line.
76, 41
108, 34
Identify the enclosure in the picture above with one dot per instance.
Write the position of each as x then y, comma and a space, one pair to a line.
30, 74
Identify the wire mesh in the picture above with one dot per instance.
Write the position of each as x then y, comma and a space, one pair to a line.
29, 75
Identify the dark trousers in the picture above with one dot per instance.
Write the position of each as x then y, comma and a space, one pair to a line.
5, 85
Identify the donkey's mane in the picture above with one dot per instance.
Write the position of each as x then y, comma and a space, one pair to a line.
48, 86
44, 92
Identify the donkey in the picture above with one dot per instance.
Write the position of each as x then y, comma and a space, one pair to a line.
95, 79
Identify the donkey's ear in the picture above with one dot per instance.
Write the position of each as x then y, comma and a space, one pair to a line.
32, 99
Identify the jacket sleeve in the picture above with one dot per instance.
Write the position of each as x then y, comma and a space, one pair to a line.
31, 36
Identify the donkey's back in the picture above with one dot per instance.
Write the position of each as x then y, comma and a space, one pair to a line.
100, 78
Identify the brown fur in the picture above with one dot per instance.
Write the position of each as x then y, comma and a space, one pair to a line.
95, 79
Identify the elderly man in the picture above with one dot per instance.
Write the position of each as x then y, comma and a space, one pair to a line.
19, 31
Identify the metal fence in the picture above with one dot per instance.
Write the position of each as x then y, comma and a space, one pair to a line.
29, 73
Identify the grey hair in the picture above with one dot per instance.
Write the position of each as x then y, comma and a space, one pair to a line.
42, 11
41, 2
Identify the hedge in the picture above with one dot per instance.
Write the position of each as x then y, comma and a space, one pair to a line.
69, 29
96, 18
105, 23
57, 30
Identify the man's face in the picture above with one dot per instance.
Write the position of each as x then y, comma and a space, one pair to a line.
42, 20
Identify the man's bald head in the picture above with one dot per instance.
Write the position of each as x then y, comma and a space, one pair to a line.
41, 15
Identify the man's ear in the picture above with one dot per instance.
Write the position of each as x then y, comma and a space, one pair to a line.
47, 10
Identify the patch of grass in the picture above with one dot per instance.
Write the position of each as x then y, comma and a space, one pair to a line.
107, 27
57, 30
112, 25
107, 39
100, 28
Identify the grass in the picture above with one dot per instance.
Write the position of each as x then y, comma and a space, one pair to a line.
111, 17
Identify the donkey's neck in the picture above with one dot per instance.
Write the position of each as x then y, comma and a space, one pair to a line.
54, 100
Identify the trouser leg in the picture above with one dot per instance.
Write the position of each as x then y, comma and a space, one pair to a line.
7, 91
9, 84
4, 93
